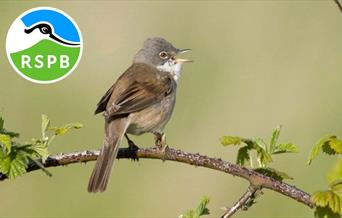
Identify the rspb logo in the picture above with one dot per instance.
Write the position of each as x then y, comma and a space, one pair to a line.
44, 45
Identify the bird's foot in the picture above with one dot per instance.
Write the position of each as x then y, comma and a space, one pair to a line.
160, 143
160, 140
132, 149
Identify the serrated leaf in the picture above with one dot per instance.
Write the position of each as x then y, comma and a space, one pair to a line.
274, 138
336, 187
230, 140
273, 173
336, 172
5, 140
202, 207
18, 166
62, 130
336, 145
242, 156
284, 148
259, 143
41, 150
327, 149
328, 199
5, 164
317, 148
263, 157
13, 165
45, 125
328, 144
199, 211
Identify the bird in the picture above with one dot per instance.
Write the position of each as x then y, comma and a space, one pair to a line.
140, 101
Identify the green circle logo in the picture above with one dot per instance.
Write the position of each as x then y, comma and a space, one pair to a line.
44, 45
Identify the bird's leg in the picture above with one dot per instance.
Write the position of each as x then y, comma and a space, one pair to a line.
130, 142
133, 148
160, 140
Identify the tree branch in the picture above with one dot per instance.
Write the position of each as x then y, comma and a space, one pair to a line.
245, 198
338, 5
256, 179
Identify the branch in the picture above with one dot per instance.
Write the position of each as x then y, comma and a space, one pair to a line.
245, 198
338, 5
256, 179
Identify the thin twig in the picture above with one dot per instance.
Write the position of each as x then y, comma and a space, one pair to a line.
247, 196
170, 154
338, 5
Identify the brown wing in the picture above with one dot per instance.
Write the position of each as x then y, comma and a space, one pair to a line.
139, 87
101, 106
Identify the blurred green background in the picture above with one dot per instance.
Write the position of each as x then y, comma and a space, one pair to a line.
257, 64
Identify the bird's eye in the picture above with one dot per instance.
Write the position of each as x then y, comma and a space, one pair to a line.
163, 55
44, 30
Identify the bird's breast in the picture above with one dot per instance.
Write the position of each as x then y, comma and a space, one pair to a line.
153, 118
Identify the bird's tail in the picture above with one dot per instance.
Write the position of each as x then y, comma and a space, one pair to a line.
114, 130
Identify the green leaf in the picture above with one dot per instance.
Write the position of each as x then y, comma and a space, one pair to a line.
336, 187
5, 163
273, 173
5, 140
327, 149
317, 148
336, 145
202, 207
62, 130
328, 144
14, 165
259, 142
263, 157
230, 140
284, 148
242, 156
274, 138
199, 211
336, 172
41, 150
325, 212
45, 125
15, 157
18, 166
328, 199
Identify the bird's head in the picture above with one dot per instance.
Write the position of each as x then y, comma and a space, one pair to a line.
161, 54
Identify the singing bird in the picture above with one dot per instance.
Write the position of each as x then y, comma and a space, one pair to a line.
140, 101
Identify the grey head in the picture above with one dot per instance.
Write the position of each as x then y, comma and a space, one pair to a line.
161, 54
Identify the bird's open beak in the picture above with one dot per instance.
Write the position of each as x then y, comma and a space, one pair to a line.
182, 60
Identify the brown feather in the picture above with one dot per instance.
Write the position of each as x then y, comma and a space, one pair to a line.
139, 87
115, 129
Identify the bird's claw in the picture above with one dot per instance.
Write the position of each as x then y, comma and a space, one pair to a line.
160, 143
132, 148
160, 140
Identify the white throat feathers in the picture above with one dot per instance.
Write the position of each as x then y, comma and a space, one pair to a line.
173, 69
